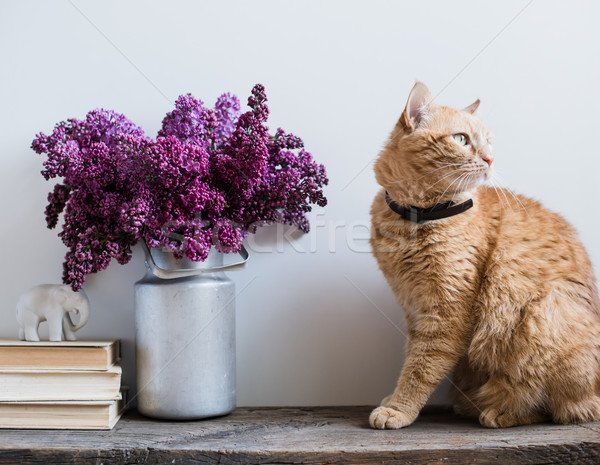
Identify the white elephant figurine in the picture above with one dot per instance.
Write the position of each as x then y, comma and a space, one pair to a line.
51, 302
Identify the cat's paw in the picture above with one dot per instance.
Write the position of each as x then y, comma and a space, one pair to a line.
492, 418
389, 418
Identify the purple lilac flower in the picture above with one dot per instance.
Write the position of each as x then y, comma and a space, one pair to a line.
228, 237
95, 186
265, 181
227, 110
209, 179
175, 175
191, 122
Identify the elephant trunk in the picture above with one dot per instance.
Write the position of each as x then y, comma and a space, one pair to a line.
84, 313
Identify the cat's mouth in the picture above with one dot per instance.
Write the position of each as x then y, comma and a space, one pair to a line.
487, 174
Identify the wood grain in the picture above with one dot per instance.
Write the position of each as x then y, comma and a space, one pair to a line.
332, 435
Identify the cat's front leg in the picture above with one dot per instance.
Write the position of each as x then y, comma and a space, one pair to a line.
432, 354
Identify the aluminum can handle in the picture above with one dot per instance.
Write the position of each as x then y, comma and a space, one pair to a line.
186, 272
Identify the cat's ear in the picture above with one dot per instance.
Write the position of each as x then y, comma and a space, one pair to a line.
473, 107
417, 105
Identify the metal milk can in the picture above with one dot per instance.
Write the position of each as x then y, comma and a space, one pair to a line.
185, 337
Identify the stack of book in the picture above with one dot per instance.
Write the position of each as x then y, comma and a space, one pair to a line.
60, 385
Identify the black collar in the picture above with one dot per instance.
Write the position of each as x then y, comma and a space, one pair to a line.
438, 211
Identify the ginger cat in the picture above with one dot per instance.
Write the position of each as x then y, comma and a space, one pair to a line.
501, 295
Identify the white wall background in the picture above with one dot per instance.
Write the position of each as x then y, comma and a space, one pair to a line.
316, 323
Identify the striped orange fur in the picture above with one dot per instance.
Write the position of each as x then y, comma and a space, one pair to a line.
501, 297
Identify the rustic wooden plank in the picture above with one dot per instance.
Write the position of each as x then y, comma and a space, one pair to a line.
595, 426
304, 435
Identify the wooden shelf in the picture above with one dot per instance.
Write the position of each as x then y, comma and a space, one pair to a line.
332, 435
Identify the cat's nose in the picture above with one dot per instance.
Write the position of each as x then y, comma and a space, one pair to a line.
488, 159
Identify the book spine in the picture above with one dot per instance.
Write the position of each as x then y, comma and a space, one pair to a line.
32, 386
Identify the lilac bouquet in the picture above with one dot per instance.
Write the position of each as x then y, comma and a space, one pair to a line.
211, 177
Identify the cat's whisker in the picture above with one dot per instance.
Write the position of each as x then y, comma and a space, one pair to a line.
497, 195
400, 181
446, 190
458, 189
462, 180
466, 171
433, 171
464, 177
443, 178
467, 179
446, 165
512, 193
439, 162
508, 202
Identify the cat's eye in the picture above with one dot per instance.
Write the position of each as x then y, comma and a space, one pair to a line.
460, 139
